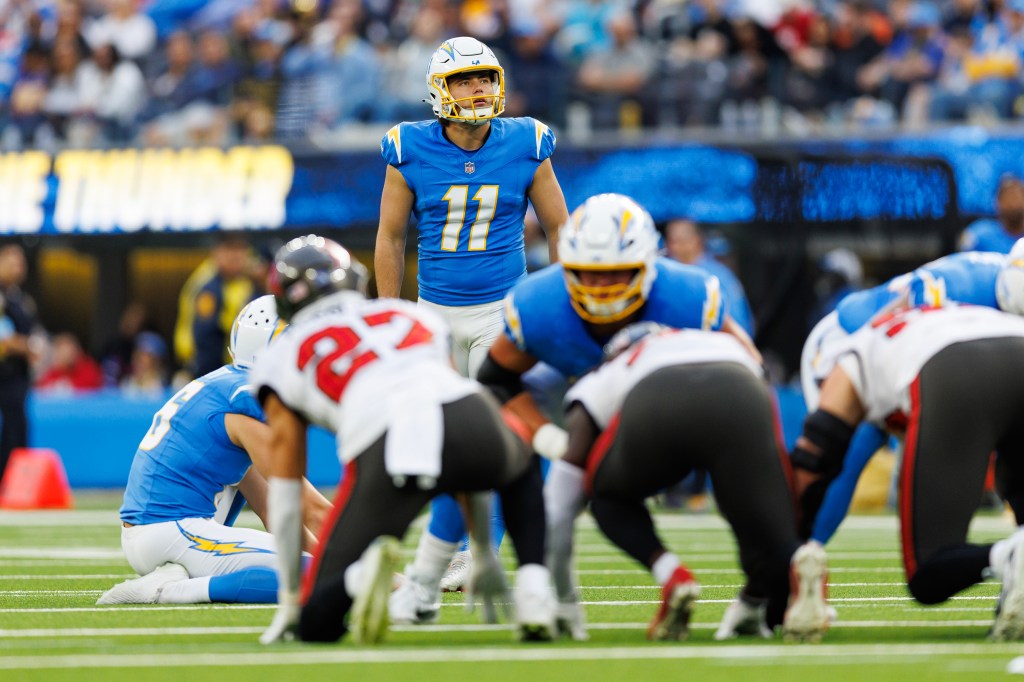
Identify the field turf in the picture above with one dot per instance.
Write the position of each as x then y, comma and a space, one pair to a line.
53, 566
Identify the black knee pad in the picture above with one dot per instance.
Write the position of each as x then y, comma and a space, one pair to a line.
831, 436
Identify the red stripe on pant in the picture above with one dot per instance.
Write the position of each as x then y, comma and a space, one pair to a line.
910, 443
597, 453
348, 483
780, 447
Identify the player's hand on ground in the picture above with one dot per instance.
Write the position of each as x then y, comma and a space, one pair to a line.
488, 586
285, 626
571, 619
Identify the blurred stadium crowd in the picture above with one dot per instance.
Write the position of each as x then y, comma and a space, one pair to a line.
99, 72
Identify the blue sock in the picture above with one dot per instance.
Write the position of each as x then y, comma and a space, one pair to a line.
446, 522
257, 585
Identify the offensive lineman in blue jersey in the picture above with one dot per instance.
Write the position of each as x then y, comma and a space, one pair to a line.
998, 234
976, 278
183, 489
467, 177
610, 276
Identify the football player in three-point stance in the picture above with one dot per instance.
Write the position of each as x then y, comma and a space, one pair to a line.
664, 403
467, 177
206, 445
947, 380
610, 275
992, 280
379, 375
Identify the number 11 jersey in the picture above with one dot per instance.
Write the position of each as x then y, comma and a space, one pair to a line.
469, 205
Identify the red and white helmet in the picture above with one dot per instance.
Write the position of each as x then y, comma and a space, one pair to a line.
609, 232
463, 55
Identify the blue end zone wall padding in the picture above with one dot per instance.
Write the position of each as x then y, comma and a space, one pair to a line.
97, 435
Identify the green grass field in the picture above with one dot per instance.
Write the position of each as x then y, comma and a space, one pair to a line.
53, 566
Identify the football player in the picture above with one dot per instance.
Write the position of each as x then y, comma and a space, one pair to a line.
1000, 233
947, 381
409, 427
466, 176
664, 403
977, 278
204, 456
610, 275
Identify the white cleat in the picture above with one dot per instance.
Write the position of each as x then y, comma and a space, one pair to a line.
144, 590
414, 603
807, 617
535, 604
458, 572
743, 619
370, 608
571, 620
1009, 622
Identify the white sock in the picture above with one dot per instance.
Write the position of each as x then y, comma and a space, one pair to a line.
190, 591
432, 558
354, 578
664, 567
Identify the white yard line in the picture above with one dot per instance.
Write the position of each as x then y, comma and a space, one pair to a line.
459, 604
756, 654
68, 576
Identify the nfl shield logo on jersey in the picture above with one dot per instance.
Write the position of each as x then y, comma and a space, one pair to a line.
470, 167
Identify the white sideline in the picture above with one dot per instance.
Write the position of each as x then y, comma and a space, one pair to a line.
756, 654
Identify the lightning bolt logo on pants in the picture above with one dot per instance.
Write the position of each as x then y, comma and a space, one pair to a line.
216, 547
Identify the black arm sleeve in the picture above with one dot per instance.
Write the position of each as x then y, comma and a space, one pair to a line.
503, 383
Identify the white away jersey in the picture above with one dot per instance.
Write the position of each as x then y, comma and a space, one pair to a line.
884, 358
352, 368
603, 391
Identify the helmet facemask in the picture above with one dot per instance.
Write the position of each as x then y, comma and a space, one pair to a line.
464, 55
609, 233
606, 303
462, 109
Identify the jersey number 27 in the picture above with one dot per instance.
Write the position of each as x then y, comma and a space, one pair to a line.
329, 378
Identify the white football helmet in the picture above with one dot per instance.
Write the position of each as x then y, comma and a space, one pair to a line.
1010, 281
255, 327
461, 55
609, 232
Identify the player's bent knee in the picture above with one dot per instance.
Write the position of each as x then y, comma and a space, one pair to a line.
314, 628
927, 587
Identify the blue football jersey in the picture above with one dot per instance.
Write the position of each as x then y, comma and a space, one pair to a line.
987, 234
186, 459
968, 277
739, 308
540, 319
469, 205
